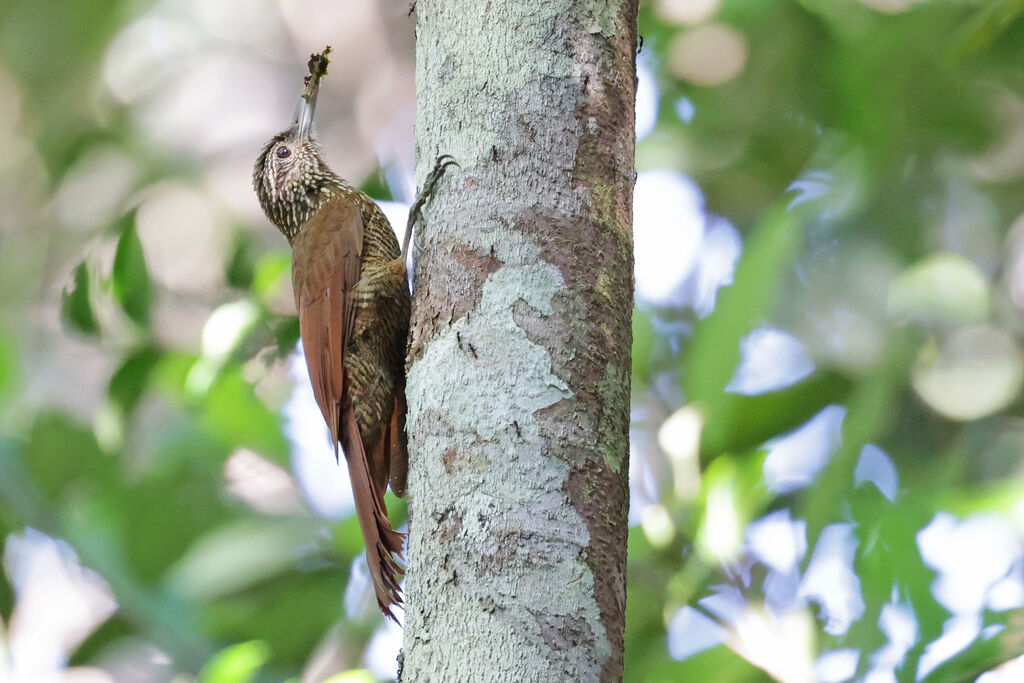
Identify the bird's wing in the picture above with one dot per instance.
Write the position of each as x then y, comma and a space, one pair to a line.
326, 265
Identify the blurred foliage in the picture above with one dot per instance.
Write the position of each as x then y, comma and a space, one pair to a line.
236, 664
869, 154
864, 157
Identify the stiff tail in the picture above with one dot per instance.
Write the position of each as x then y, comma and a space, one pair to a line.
381, 540
398, 456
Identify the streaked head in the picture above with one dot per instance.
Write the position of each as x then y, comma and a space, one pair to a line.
290, 174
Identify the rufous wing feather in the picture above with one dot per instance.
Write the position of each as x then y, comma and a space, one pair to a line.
326, 266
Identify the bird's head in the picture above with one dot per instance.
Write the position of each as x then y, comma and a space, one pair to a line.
291, 177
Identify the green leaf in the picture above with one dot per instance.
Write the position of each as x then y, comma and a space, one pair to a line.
736, 422
870, 410
235, 415
165, 512
241, 268
131, 283
990, 21
242, 553
719, 664
353, 676
984, 653
643, 345
130, 380
376, 185
715, 351
271, 273
170, 375
76, 306
236, 664
22, 502
286, 334
10, 368
61, 452
290, 612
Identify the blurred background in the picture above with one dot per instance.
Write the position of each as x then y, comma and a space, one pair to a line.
826, 463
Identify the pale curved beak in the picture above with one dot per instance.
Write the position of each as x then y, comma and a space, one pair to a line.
307, 106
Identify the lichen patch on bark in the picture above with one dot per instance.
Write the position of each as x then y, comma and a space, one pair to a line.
600, 16
485, 346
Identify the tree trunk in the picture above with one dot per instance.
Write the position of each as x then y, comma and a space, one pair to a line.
520, 360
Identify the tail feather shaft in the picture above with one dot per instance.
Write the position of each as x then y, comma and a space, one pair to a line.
382, 542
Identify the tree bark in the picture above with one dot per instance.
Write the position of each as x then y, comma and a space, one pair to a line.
518, 387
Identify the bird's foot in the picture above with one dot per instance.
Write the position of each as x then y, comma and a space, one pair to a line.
415, 212
442, 163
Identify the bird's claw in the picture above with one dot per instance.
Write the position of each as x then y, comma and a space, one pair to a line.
440, 165
445, 160
415, 214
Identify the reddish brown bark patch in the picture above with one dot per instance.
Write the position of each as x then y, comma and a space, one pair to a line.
448, 460
466, 270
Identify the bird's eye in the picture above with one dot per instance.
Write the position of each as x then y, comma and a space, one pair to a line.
282, 152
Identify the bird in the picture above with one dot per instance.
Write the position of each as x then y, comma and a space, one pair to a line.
352, 297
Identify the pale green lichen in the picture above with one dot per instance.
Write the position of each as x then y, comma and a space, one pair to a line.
499, 346
488, 428
599, 16
603, 201
610, 391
